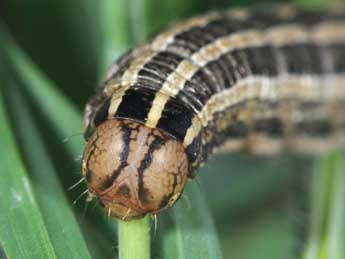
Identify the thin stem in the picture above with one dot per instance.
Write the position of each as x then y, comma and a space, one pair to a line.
134, 239
327, 224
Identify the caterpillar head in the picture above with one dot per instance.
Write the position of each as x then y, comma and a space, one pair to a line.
134, 170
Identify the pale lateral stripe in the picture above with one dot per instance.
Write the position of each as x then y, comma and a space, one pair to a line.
238, 13
304, 87
287, 34
192, 131
261, 144
329, 32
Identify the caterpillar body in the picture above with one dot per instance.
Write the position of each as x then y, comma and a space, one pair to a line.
262, 80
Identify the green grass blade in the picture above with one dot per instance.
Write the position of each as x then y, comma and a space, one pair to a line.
56, 210
134, 239
62, 114
327, 225
147, 17
191, 234
63, 38
65, 121
114, 25
23, 234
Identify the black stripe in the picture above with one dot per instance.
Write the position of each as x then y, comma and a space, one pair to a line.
262, 60
164, 62
144, 164
166, 199
192, 40
102, 113
314, 128
155, 72
302, 58
195, 95
272, 127
237, 129
136, 103
238, 63
126, 134
193, 151
176, 118
169, 58
338, 55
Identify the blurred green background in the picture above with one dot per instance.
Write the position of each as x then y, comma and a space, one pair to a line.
53, 55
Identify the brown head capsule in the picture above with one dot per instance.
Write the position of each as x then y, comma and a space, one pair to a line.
134, 170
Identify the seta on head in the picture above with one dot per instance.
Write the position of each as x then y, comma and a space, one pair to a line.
132, 169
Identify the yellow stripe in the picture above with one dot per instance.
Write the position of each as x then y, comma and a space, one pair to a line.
130, 76
288, 34
192, 131
172, 85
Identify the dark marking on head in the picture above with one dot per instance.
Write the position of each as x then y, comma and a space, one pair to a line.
126, 135
165, 201
124, 191
145, 163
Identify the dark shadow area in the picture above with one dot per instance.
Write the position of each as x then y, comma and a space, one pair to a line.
63, 38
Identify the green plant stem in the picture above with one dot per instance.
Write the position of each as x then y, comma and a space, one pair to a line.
327, 225
134, 239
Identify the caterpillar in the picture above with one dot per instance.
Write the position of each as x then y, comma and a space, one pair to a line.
264, 80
